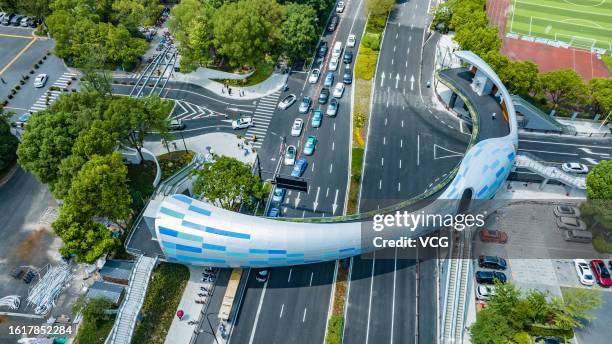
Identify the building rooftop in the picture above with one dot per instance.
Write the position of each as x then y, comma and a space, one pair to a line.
118, 269
109, 291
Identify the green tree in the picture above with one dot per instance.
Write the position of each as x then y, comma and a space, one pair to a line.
299, 30
8, 144
491, 327
565, 88
128, 13
478, 39
601, 93
379, 7
521, 77
247, 30
571, 311
468, 13
597, 210
227, 183
191, 24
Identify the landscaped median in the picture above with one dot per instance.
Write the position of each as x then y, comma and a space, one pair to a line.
335, 323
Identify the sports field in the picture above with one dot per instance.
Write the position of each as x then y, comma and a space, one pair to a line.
580, 23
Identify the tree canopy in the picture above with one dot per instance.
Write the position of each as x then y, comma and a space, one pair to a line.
564, 87
299, 30
8, 144
601, 93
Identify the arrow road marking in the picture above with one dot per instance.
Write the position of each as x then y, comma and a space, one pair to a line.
591, 161
335, 204
397, 79
412, 83
297, 200
589, 151
382, 79
315, 204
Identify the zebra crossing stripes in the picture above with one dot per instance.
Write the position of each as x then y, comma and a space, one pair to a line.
262, 116
51, 96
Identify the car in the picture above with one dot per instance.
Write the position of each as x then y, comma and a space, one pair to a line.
566, 210
274, 212
337, 51
484, 292
22, 120
290, 155
549, 340
340, 7
314, 76
6, 19
490, 235
338, 90
296, 128
25, 22
317, 117
489, 277
176, 124
16, 20
585, 276
309, 145
492, 262
333, 23
278, 195
333, 64
350, 42
243, 122
322, 49
602, 275
571, 223
329, 79
2, 14
305, 104
299, 168
574, 167
347, 78
40, 80
287, 102
261, 276
324, 95
348, 57
332, 108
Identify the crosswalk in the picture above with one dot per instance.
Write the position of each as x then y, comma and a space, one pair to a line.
262, 117
43, 102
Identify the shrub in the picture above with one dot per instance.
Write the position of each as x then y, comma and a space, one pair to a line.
371, 40
21, 82
17, 87
73, 78
366, 63
44, 57
31, 71
601, 245
334, 330
40, 62
10, 96
36, 66
13, 91
5, 103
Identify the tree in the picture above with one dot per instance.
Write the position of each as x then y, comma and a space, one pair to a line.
478, 39
599, 181
521, 77
597, 210
299, 30
191, 24
571, 311
379, 7
601, 92
128, 13
8, 144
95, 78
247, 30
228, 182
564, 87
491, 327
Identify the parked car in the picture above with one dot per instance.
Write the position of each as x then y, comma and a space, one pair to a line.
348, 57
578, 236
332, 108
484, 292
16, 20
489, 277
296, 128
333, 64
40, 80
2, 14
317, 117
310, 144
287, 102
338, 90
304, 105
601, 273
25, 22
176, 124
350, 42
329, 79
314, 76
262, 276
492, 262
6, 19
333, 23
324, 95
322, 49
490, 235
274, 212
574, 167
299, 168
243, 122
566, 210
22, 120
347, 78
548, 340
278, 195
290, 155
570, 223
340, 7
585, 276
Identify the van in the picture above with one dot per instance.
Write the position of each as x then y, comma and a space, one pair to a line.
578, 236
337, 49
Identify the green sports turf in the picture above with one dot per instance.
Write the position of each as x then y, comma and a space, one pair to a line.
583, 21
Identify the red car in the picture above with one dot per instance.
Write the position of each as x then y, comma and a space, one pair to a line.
489, 235
602, 275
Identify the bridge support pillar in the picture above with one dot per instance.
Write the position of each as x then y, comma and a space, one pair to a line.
543, 183
453, 100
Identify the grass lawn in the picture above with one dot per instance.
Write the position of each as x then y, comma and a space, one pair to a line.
608, 61
356, 163
172, 162
263, 70
140, 183
165, 291
94, 334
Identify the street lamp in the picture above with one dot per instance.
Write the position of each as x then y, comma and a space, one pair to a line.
212, 331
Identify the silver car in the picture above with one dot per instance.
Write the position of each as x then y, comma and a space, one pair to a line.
287, 102
290, 155
571, 223
574, 167
40, 81
296, 128
567, 211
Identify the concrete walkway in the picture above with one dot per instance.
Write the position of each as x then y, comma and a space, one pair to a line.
201, 77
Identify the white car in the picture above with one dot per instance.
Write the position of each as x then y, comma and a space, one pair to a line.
340, 7
350, 42
242, 123
40, 81
262, 276
584, 272
287, 102
574, 167
314, 76
338, 90
296, 128
333, 63
484, 292
290, 155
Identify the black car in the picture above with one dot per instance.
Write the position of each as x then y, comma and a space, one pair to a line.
488, 277
16, 21
347, 78
6, 20
348, 57
322, 49
324, 95
492, 262
333, 23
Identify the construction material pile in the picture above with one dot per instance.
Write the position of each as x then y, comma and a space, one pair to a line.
43, 295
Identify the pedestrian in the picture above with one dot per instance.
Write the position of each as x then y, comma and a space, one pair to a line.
223, 90
493, 116
229, 90
174, 144
4, 82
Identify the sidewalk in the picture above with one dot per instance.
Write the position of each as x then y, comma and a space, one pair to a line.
528, 190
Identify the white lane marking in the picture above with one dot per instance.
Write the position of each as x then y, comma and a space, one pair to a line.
334, 126
401, 143
331, 168
326, 192
548, 152
380, 184
385, 121
281, 312
289, 278
312, 168
588, 151
394, 279
400, 163
566, 144
304, 316
418, 149
333, 145
311, 276
402, 123
406, 64
263, 293
591, 161
370, 302
394, 47
382, 161
392, 61
384, 140
399, 186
